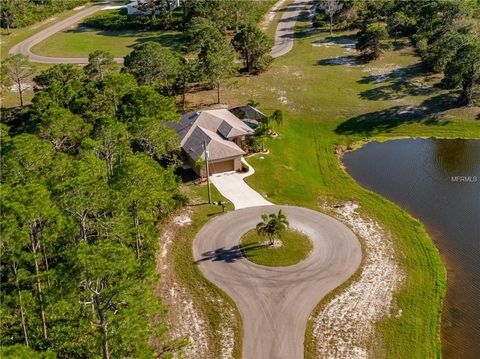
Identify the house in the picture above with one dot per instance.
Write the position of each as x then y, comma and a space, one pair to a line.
132, 7
249, 115
221, 131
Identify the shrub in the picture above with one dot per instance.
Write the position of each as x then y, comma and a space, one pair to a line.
320, 20
255, 144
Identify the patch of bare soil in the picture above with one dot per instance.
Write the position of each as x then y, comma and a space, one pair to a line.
345, 327
185, 318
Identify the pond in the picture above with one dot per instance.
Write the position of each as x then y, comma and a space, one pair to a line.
438, 182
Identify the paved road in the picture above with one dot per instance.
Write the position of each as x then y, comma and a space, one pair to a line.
284, 34
275, 303
25, 46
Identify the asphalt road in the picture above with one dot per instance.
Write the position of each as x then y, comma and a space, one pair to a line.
275, 302
284, 35
25, 46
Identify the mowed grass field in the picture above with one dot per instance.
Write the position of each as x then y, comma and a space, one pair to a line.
81, 41
331, 100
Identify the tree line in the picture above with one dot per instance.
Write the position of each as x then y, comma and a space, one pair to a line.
86, 177
21, 13
214, 33
446, 34
229, 15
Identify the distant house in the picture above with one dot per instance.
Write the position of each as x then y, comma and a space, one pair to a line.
132, 7
221, 131
249, 115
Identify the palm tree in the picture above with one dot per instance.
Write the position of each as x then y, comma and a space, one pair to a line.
277, 117
272, 225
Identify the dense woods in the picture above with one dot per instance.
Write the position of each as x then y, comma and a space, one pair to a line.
85, 181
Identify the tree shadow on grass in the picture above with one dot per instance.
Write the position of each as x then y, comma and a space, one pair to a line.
428, 113
174, 41
348, 60
230, 255
398, 83
345, 41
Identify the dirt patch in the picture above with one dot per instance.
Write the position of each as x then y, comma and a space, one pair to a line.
25, 86
348, 44
345, 327
384, 73
185, 318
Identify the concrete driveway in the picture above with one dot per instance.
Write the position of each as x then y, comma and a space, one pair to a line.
275, 302
232, 186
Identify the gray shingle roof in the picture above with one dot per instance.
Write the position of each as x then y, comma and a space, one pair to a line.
216, 128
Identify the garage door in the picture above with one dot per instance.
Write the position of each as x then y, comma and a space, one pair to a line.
223, 166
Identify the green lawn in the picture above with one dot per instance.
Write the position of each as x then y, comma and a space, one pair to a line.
295, 247
17, 35
79, 42
329, 106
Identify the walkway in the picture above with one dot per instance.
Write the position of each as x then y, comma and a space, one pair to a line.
275, 302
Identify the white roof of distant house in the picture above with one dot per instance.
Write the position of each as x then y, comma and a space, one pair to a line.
215, 127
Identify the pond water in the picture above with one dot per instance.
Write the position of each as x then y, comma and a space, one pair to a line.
438, 182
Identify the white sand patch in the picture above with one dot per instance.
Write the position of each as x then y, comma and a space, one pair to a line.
78, 8
25, 86
384, 73
185, 319
182, 220
346, 325
283, 100
227, 336
345, 43
410, 110
298, 74
190, 325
